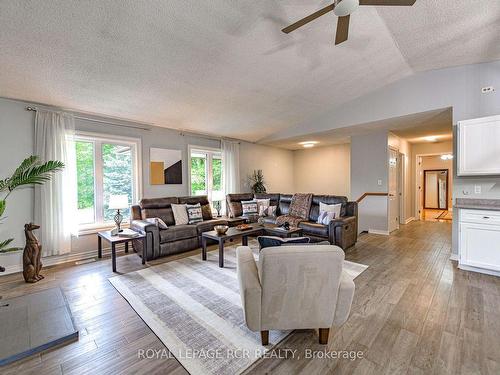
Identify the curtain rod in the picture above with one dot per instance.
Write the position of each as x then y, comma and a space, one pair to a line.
34, 109
206, 136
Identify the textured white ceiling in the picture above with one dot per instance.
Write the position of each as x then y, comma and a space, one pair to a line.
222, 66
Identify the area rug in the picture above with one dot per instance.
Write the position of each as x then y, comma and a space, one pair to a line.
194, 307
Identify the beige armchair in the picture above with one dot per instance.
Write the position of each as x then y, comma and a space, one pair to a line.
294, 287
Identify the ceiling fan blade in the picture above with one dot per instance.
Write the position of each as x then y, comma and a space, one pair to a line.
308, 19
342, 29
388, 2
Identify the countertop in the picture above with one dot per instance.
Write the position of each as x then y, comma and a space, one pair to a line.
478, 204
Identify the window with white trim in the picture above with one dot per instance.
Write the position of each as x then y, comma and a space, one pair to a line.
206, 173
105, 166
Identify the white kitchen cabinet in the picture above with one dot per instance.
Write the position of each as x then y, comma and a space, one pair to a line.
479, 240
479, 147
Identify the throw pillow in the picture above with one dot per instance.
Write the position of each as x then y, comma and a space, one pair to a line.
331, 208
195, 215
270, 241
180, 214
262, 203
321, 217
249, 207
158, 222
267, 211
329, 216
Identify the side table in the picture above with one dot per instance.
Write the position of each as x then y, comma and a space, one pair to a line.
114, 240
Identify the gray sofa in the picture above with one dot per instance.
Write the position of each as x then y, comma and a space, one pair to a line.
177, 238
342, 232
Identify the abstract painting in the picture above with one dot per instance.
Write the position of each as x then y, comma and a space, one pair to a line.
165, 166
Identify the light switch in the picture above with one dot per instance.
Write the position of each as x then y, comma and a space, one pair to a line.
379, 182
477, 189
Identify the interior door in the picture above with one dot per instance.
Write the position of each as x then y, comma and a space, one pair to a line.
393, 201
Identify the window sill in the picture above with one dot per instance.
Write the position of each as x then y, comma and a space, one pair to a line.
93, 229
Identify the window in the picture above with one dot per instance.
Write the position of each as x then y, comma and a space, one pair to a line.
206, 173
104, 167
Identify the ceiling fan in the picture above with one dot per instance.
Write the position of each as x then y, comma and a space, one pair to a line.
343, 10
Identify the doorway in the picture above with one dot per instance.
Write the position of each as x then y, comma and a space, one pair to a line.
434, 187
394, 190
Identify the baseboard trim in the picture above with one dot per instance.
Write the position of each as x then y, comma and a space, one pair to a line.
409, 220
66, 258
479, 270
377, 231
454, 257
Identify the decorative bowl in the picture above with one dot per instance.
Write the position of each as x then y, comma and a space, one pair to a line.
221, 229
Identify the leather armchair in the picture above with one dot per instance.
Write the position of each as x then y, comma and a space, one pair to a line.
294, 287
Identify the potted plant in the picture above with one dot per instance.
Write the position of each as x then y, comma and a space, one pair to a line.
31, 172
257, 182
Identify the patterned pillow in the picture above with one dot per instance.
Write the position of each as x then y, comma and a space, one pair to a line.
195, 215
249, 207
267, 210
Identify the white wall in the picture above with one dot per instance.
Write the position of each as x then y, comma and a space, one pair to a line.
17, 125
369, 155
276, 165
323, 170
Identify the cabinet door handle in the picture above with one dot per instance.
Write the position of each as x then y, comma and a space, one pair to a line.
486, 217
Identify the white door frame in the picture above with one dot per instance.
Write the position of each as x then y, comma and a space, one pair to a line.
401, 187
417, 180
389, 218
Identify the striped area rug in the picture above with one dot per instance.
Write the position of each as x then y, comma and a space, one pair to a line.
194, 307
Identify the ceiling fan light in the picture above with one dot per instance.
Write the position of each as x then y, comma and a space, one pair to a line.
345, 7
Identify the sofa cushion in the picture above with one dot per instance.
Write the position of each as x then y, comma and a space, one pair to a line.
158, 207
208, 225
249, 208
234, 203
206, 210
284, 205
274, 198
178, 232
269, 219
314, 228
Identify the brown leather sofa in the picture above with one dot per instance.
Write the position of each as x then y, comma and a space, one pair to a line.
177, 238
342, 232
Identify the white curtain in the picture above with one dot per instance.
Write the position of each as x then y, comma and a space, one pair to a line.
231, 163
55, 200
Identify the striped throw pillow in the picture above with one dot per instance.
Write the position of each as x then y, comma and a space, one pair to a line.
195, 214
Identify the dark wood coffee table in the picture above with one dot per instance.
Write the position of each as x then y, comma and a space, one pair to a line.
232, 233
274, 230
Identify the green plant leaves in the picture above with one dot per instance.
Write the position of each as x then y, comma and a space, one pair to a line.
5, 249
2, 207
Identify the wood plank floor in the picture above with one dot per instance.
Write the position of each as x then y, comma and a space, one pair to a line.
414, 312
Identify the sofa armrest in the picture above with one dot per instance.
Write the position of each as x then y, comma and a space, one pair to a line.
152, 237
351, 209
250, 288
135, 212
344, 299
342, 221
143, 226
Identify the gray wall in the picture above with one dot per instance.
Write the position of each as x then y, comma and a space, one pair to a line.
368, 165
17, 141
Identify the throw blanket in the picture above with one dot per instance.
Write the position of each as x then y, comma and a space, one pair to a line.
299, 210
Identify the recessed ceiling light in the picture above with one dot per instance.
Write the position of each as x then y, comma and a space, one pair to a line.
308, 145
308, 142
447, 157
431, 139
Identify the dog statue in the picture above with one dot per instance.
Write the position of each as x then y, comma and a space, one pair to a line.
31, 255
